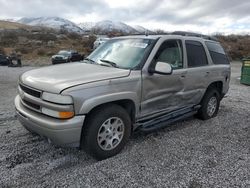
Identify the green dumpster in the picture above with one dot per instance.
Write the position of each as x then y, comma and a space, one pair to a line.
245, 71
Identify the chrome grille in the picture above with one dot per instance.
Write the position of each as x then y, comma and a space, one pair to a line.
27, 93
30, 104
30, 91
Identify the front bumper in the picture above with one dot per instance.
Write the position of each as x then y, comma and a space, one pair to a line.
61, 132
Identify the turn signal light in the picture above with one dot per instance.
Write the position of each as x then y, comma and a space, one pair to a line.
65, 115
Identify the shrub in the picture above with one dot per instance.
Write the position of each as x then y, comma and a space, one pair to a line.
41, 52
24, 50
74, 36
44, 37
2, 51
52, 52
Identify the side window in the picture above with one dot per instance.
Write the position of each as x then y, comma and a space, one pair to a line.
217, 53
170, 52
196, 54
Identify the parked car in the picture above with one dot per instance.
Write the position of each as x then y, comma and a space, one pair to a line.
127, 84
4, 61
65, 56
99, 41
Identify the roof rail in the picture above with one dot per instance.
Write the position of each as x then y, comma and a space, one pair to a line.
191, 34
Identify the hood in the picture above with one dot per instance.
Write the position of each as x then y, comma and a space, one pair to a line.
56, 78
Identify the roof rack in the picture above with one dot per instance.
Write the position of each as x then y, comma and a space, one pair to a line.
191, 34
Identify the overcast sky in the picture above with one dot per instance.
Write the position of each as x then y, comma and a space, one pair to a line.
206, 16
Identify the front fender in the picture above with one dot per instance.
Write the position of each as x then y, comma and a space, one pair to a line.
91, 103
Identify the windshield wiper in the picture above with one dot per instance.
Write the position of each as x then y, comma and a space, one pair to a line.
88, 59
108, 62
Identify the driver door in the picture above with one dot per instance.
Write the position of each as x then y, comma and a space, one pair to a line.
164, 93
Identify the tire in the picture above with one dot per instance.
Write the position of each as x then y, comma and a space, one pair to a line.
209, 104
106, 131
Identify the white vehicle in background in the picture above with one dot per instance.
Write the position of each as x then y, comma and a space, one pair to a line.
99, 41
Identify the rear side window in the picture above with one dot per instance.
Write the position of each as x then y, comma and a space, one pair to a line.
196, 54
217, 53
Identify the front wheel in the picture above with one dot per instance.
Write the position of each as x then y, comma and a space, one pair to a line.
209, 104
106, 131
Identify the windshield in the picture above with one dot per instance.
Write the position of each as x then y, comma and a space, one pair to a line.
64, 53
124, 53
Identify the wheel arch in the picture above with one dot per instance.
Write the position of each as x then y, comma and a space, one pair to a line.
125, 99
127, 104
218, 85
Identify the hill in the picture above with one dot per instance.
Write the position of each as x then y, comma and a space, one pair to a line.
237, 46
53, 22
12, 25
34, 42
107, 26
37, 41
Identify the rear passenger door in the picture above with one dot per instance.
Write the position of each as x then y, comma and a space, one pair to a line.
198, 71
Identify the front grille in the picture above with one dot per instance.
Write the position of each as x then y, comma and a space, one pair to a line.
27, 99
32, 105
30, 91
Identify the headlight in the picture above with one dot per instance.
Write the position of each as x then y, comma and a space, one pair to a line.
53, 113
56, 98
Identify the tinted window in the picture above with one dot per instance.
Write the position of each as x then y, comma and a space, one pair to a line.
170, 52
217, 53
196, 54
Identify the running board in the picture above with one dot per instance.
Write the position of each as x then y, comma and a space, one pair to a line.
165, 120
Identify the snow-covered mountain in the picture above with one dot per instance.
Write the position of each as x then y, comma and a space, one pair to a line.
139, 28
102, 27
142, 30
52, 22
9, 20
86, 25
109, 26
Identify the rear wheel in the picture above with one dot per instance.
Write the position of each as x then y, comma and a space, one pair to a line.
106, 131
209, 104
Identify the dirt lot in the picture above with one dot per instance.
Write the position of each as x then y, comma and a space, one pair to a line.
191, 153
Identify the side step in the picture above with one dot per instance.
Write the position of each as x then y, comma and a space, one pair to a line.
165, 120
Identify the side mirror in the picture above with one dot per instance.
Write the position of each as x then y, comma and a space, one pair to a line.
162, 68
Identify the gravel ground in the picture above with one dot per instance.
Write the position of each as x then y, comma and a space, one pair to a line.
191, 153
